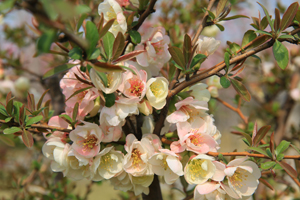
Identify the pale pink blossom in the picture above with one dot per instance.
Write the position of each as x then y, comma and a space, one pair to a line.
155, 42
145, 107
212, 191
167, 164
138, 152
208, 45
86, 139
134, 85
56, 121
111, 133
70, 84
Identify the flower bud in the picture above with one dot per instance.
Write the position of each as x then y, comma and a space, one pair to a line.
96, 107
148, 125
22, 84
145, 107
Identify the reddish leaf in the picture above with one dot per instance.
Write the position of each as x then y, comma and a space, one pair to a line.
100, 24
29, 103
41, 99
118, 46
289, 169
177, 56
258, 41
261, 134
288, 16
128, 56
187, 48
77, 92
241, 89
8, 97
105, 28
75, 111
27, 138
254, 131
220, 7
82, 80
277, 19
106, 67
272, 147
7, 140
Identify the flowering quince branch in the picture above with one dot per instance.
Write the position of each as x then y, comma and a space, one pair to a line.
128, 121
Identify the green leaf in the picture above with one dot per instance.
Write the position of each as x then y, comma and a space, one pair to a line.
8, 119
34, 120
108, 42
80, 21
268, 16
177, 56
3, 110
280, 157
82, 9
263, 32
241, 90
288, 16
267, 165
7, 140
6, 5
259, 150
286, 37
92, 37
281, 54
234, 47
9, 106
248, 138
58, 69
128, 68
17, 106
197, 59
11, 130
224, 82
220, 7
227, 59
95, 54
220, 27
235, 17
109, 99
66, 117
282, 147
27, 138
45, 41
261, 134
75, 53
41, 99
75, 111
135, 36
269, 152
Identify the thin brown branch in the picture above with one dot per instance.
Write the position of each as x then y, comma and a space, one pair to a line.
203, 22
237, 110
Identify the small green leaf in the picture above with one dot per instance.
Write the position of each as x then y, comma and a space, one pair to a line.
6, 5
282, 147
109, 99
281, 54
259, 150
267, 165
95, 54
177, 56
80, 21
224, 82
34, 120
45, 41
11, 130
234, 47
280, 157
108, 42
248, 37
7, 140
58, 69
135, 36
263, 32
78, 91
82, 8
248, 138
8, 119
235, 17
220, 27
91, 36
27, 138
268, 16
66, 117
198, 58
75, 111
286, 37
241, 90
269, 152
75, 53
227, 59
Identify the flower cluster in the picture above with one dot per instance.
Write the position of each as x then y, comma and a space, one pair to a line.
102, 106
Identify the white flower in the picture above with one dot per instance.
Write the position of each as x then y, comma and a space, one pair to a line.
122, 182
112, 10
167, 164
50, 145
114, 79
200, 92
242, 176
208, 45
199, 169
210, 191
141, 184
110, 163
157, 91
86, 139
136, 160
145, 107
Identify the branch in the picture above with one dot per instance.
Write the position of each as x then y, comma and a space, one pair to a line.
237, 110
203, 23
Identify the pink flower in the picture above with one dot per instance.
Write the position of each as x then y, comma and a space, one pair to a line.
134, 86
111, 133
155, 42
86, 139
71, 84
56, 121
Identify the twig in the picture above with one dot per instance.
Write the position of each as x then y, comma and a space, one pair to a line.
237, 110
203, 22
